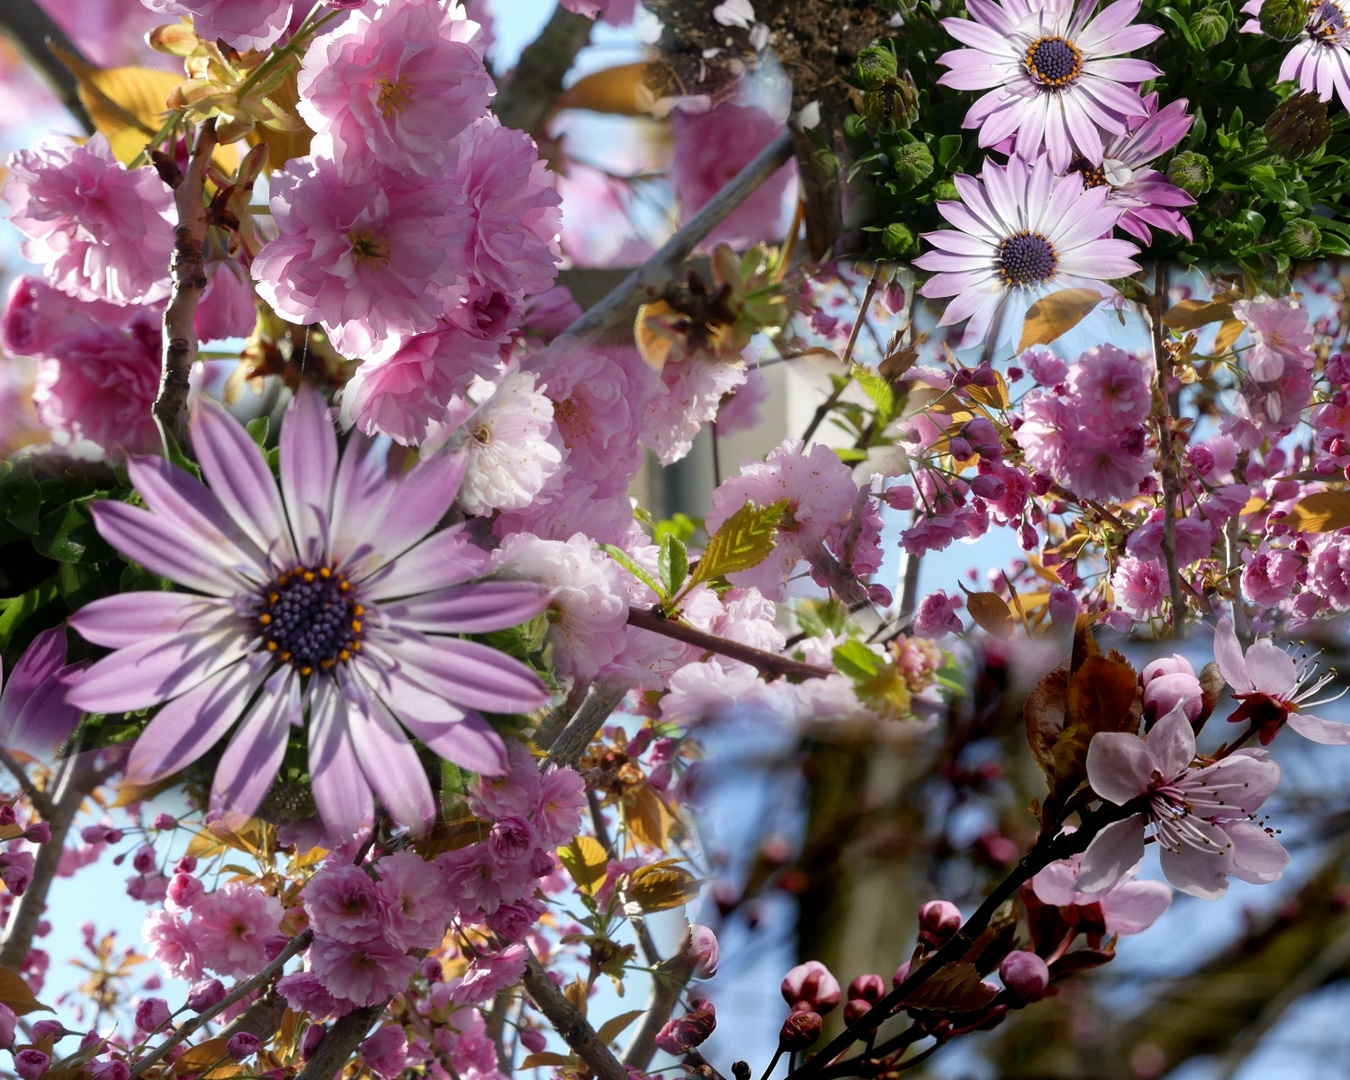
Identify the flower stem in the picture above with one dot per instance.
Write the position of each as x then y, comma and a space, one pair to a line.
1171, 485
767, 662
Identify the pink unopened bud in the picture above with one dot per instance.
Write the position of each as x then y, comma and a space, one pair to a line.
152, 1014
16, 870
242, 1045
47, 1029
274, 944
164, 822
31, 1064
811, 986
703, 951
870, 988
680, 1036
7, 1022
186, 865
110, 1070
144, 859
309, 1043
432, 970
1063, 606
533, 1041
41, 833
938, 921
1025, 975
206, 995
901, 974
184, 891
800, 1030
7, 815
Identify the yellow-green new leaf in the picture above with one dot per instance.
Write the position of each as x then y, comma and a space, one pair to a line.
1326, 511
744, 540
586, 861
661, 886
1056, 314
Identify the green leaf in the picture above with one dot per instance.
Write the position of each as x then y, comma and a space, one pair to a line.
67, 534
257, 429
856, 660
25, 506
948, 147
672, 563
879, 390
744, 540
16, 610
626, 561
818, 617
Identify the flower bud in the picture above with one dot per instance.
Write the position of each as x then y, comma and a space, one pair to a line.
309, 1043
1300, 238
891, 104
186, 865
144, 859
8, 1020
533, 1040
164, 822
31, 1064
1191, 172
47, 1029
1025, 975
7, 815
110, 1070
152, 1014
811, 986
1210, 26
680, 1036
880, 595
945, 189
868, 988
901, 974
899, 239
242, 1045
912, 164
41, 833
1283, 19
1298, 127
876, 64
1063, 606
184, 891
703, 951
938, 921
800, 1030
432, 970
206, 995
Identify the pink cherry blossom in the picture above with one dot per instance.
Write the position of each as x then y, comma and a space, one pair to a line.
173, 945
245, 24
230, 925
511, 442
1200, 814
1273, 688
694, 391
365, 973
488, 975
1329, 570
936, 616
370, 260
101, 231
514, 792
562, 800
1269, 577
386, 1052
414, 907
1127, 906
395, 87
1140, 586
514, 207
342, 903
1171, 682
305, 993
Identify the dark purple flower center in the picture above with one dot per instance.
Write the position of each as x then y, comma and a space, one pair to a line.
310, 619
1026, 258
1326, 23
1093, 175
1053, 62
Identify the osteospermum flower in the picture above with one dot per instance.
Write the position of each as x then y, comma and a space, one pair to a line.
1021, 233
1273, 689
1320, 61
325, 603
1055, 79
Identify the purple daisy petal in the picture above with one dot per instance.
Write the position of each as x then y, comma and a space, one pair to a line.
34, 715
471, 609
165, 548
341, 790
468, 673
130, 618
446, 558
251, 761
391, 766
155, 670
309, 458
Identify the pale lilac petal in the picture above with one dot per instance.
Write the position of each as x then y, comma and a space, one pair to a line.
446, 558
34, 715
1056, 884
156, 670
1237, 784
469, 673
165, 548
391, 764
309, 458
1114, 852
187, 727
1318, 730
251, 762
43, 658
1201, 872
129, 618
341, 790
1172, 743
1119, 766
470, 609
1133, 906
239, 477
1272, 670
1257, 856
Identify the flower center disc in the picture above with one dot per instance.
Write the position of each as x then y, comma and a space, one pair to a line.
1326, 25
1053, 62
310, 619
1026, 258
1093, 175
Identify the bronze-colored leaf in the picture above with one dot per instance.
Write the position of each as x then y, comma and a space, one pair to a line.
1044, 716
655, 334
621, 90
1188, 314
956, 988
544, 1057
1326, 511
612, 1028
991, 397
661, 886
15, 993
997, 941
211, 1059
1056, 314
991, 613
646, 818
1228, 333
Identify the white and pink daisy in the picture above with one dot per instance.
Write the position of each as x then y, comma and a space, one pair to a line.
1054, 74
328, 602
1320, 61
1021, 233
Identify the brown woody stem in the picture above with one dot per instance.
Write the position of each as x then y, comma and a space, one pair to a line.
568, 1021
767, 662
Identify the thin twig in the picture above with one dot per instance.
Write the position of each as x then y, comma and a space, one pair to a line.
189, 282
1171, 483
39, 800
189, 1028
668, 983
649, 281
34, 32
823, 409
767, 662
568, 1021
845, 585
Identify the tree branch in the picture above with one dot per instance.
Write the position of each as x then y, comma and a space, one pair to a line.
527, 99
190, 1027
567, 1020
649, 281
767, 662
78, 779
1171, 483
32, 30
39, 800
602, 698
341, 1042
668, 983
189, 282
